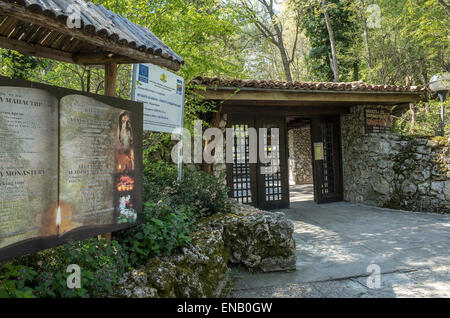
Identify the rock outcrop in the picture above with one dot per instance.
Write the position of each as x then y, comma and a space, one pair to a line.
258, 240
255, 239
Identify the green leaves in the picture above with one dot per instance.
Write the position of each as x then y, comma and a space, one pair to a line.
164, 229
427, 120
44, 274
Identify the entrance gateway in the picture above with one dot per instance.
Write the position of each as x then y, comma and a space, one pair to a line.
245, 104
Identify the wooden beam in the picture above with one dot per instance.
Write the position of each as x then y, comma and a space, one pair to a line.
36, 50
308, 96
21, 13
101, 59
285, 110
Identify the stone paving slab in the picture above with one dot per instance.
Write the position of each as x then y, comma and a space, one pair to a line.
337, 242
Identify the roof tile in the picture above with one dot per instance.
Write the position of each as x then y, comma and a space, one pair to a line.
312, 86
98, 20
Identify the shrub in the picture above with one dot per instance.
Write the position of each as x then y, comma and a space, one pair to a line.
427, 120
157, 176
205, 192
44, 274
15, 281
163, 230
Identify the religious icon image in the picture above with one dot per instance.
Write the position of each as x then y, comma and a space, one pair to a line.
124, 143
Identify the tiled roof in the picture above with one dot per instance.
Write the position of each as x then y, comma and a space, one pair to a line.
303, 86
102, 22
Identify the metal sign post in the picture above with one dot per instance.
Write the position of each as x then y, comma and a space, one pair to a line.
180, 151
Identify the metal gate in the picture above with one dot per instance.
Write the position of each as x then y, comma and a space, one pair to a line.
260, 184
327, 170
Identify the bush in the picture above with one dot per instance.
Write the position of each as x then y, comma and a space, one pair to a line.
163, 230
44, 274
427, 120
157, 176
205, 192
171, 209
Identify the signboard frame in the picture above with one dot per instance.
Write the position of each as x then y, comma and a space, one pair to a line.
39, 243
374, 123
135, 77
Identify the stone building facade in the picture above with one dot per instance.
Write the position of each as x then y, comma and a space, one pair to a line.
381, 169
394, 171
300, 155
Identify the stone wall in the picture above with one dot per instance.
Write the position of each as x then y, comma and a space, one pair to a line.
394, 171
300, 157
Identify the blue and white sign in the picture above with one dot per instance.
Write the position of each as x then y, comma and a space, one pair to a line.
162, 93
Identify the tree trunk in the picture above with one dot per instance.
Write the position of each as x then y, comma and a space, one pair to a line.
285, 60
366, 36
88, 81
283, 52
334, 61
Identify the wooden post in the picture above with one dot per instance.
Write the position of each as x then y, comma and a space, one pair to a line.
110, 78
215, 123
110, 90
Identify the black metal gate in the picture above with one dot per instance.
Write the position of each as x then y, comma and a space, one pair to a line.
326, 145
261, 184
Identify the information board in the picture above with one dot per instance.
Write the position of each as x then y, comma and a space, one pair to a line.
377, 120
70, 166
162, 93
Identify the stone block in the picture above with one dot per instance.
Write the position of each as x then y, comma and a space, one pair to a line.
381, 186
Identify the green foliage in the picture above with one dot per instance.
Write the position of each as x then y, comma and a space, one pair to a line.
44, 274
163, 230
412, 41
201, 32
14, 280
20, 66
157, 177
427, 120
171, 209
344, 28
206, 193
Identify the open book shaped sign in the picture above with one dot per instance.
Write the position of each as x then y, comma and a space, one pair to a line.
70, 165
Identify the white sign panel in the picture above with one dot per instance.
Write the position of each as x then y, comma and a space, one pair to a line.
162, 93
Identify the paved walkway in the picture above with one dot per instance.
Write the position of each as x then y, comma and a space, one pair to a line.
337, 242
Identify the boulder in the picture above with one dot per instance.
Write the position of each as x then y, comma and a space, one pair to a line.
256, 239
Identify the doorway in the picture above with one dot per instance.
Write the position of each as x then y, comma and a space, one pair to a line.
315, 159
270, 190
262, 185
301, 181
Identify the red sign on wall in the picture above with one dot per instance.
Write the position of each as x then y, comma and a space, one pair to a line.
377, 120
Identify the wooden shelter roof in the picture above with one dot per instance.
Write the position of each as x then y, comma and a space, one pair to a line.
40, 28
251, 94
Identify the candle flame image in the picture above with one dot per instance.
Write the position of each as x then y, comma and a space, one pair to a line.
58, 219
